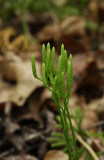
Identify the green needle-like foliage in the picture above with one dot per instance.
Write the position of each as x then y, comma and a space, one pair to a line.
69, 79
62, 50
70, 59
44, 76
34, 66
65, 60
48, 62
43, 54
60, 66
53, 60
55, 86
51, 77
60, 89
63, 57
48, 46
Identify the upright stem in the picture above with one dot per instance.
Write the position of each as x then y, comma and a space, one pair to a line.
67, 134
65, 129
73, 135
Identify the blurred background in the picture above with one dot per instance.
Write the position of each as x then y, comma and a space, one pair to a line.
27, 112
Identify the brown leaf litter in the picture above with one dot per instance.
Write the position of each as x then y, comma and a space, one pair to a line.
18, 81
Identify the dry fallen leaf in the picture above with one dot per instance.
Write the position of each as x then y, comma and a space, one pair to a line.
21, 157
94, 113
73, 25
20, 82
93, 10
50, 32
56, 155
11, 40
90, 119
88, 73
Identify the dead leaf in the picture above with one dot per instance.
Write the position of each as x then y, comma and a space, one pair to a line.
38, 99
50, 32
90, 119
11, 40
20, 73
73, 25
93, 10
56, 155
21, 157
87, 74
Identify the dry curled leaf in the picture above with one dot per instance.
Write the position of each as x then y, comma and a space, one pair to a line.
11, 40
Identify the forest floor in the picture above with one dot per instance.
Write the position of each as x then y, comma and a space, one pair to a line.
28, 115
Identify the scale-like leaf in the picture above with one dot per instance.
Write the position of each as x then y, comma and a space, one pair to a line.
62, 86
48, 46
48, 62
44, 76
51, 77
60, 67
70, 59
65, 60
34, 66
69, 80
55, 91
62, 50
62, 54
55, 84
43, 54
53, 60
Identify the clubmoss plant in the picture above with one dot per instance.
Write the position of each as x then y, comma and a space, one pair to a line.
61, 89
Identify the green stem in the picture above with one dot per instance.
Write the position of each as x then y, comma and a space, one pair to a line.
67, 134
73, 135
65, 129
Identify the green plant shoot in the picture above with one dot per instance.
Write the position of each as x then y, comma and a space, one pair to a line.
60, 89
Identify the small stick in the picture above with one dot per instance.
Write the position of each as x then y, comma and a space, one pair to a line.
79, 138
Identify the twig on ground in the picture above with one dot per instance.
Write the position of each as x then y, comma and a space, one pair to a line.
89, 149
